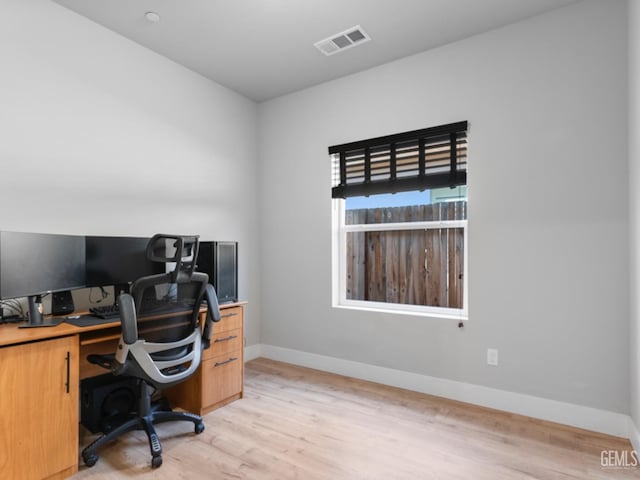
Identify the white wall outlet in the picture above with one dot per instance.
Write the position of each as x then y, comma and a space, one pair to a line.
492, 357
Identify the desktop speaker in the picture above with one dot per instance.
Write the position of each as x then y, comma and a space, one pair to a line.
106, 401
219, 260
62, 303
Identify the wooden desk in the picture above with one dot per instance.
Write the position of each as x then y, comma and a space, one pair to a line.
40, 372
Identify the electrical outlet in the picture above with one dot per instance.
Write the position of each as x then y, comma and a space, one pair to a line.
492, 357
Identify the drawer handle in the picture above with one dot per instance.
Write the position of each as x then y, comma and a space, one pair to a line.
232, 359
68, 360
225, 339
226, 315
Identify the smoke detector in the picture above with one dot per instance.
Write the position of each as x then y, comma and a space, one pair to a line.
342, 41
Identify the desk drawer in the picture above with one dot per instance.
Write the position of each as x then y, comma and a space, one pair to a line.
231, 319
221, 378
223, 343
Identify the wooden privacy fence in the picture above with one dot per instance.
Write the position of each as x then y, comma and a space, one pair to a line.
417, 267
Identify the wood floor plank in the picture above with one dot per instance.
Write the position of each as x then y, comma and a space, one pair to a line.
298, 423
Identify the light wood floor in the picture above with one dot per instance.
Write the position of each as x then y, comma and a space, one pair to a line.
297, 423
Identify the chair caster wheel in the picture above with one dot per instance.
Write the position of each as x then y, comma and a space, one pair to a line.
156, 461
199, 428
90, 459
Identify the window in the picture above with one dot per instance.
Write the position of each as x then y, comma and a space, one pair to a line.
400, 222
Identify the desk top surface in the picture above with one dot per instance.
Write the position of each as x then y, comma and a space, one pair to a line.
11, 334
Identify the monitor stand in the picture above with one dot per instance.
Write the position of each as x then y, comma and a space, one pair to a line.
35, 315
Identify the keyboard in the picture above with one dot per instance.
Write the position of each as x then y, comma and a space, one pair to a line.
106, 312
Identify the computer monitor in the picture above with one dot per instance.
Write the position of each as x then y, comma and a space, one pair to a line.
34, 264
118, 261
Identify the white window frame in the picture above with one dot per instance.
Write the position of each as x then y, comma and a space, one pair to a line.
339, 266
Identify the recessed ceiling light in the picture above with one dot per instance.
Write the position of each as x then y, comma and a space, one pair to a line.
152, 17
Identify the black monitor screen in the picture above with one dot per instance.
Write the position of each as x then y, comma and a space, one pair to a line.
38, 263
118, 260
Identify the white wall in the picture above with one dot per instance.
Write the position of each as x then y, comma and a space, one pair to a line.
634, 214
546, 104
102, 136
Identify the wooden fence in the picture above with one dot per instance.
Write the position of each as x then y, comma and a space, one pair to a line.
417, 267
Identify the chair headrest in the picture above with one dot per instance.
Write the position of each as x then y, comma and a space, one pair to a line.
179, 249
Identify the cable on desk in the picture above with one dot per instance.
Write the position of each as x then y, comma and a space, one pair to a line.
103, 295
13, 305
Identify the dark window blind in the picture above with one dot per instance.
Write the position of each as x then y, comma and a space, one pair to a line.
422, 159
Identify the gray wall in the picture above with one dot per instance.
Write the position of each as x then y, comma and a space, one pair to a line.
548, 208
102, 136
634, 162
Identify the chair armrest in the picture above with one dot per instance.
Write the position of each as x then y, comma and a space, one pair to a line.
213, 314
128, 318
105, 361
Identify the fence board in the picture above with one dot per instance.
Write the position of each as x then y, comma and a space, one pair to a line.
456, 298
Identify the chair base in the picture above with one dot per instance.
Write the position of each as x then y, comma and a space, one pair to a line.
146, 418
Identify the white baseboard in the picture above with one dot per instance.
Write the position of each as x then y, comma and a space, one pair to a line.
593, 419
252, 351
634, 435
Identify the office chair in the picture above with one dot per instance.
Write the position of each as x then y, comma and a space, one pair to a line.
156, 348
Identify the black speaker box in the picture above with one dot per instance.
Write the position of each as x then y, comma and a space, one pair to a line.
105, 401
219, 260
62, 303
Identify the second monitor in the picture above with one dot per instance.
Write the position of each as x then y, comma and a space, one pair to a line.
118, 261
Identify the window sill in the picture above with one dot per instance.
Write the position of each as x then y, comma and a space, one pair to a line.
404, 310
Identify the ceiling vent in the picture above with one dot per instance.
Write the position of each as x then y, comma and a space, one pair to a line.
342, 41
